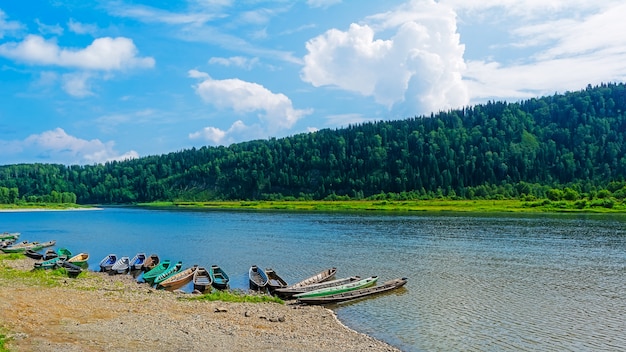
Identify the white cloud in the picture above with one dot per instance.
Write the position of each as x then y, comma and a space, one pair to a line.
274, 111
49, 29
417, 68
8, 26
81, 28
59, 147
77, 85
102, 54
322, 3
238, 131
570, 44
198, 74
237, 61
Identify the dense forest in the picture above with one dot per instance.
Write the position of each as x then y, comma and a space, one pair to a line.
561, 146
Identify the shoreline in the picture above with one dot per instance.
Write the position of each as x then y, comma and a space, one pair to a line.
96, 313
29, 210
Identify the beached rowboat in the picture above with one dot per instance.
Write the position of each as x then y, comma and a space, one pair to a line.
121, 266
179, 279
150, 275
257, 277
288, 292
355, 294
172, 270
202, 279
80, 259
137, 262
9, 236
150, 262
219, 277
322, 276
107, 262
274, 281
369, 281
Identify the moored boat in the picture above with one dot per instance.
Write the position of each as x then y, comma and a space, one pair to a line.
322, 276
150, 275
121, 265
22, 246
173, 269
257, 277
72, 269
79, 259
202, 279
355, 294
107, 262
218, 277
9, 236
178, 279
51, 253
150, 262
369, 281
48, 244
50, 263
33, 254
288, 292
274, 281
137, 262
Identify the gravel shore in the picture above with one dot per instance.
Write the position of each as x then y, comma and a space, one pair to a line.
115, 313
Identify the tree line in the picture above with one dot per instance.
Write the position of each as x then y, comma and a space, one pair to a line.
572, 143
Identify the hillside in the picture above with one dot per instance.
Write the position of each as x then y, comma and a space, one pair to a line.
491, 150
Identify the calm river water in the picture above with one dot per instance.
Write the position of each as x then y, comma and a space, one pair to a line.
476, 283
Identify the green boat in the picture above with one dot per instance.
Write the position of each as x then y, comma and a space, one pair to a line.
51, 263
370, 281
173, 269
64, 252
152, 274
22, 247
9, 236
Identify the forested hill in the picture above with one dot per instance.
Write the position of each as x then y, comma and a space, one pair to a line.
490, 150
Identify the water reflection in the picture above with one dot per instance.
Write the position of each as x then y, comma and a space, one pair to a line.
507, 282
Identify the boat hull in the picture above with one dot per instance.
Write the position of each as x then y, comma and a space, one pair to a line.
355, 294
340, 289
257, 278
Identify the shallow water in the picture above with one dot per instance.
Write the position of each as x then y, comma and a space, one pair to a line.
476, 283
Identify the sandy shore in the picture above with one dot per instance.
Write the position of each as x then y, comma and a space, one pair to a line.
114, 313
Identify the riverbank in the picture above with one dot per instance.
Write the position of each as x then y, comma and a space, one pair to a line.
100, 312
431, 205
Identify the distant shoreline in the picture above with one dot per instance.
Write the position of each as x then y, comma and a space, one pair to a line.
29, 210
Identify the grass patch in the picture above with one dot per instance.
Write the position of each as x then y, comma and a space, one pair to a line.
235, 296
3, 340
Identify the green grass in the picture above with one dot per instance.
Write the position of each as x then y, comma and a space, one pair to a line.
3, 341
433, 205
48, 278
234, 296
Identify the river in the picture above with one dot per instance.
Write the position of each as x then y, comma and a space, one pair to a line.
476, 282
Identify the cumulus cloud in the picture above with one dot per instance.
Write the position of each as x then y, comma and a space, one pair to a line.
8, 26
102, 54
236, 61
570, 47
274, 111
409, 59
59, 147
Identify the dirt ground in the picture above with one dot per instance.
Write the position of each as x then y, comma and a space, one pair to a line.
114, 313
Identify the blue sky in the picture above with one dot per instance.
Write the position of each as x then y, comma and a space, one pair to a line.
86, 82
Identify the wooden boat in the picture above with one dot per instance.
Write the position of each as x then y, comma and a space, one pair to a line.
6, 243
50, 263
369, 281
202, 279
63, 252
72, 269
9, 236
107, 262
150, 262
322, 276
178, 279
48, 244
120, 266
288, 292
173, 269
33, 254
218, 277
274, 281
258, 278
150, 275
79, 259
354, 294
22, 246
137, 262
51, 253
